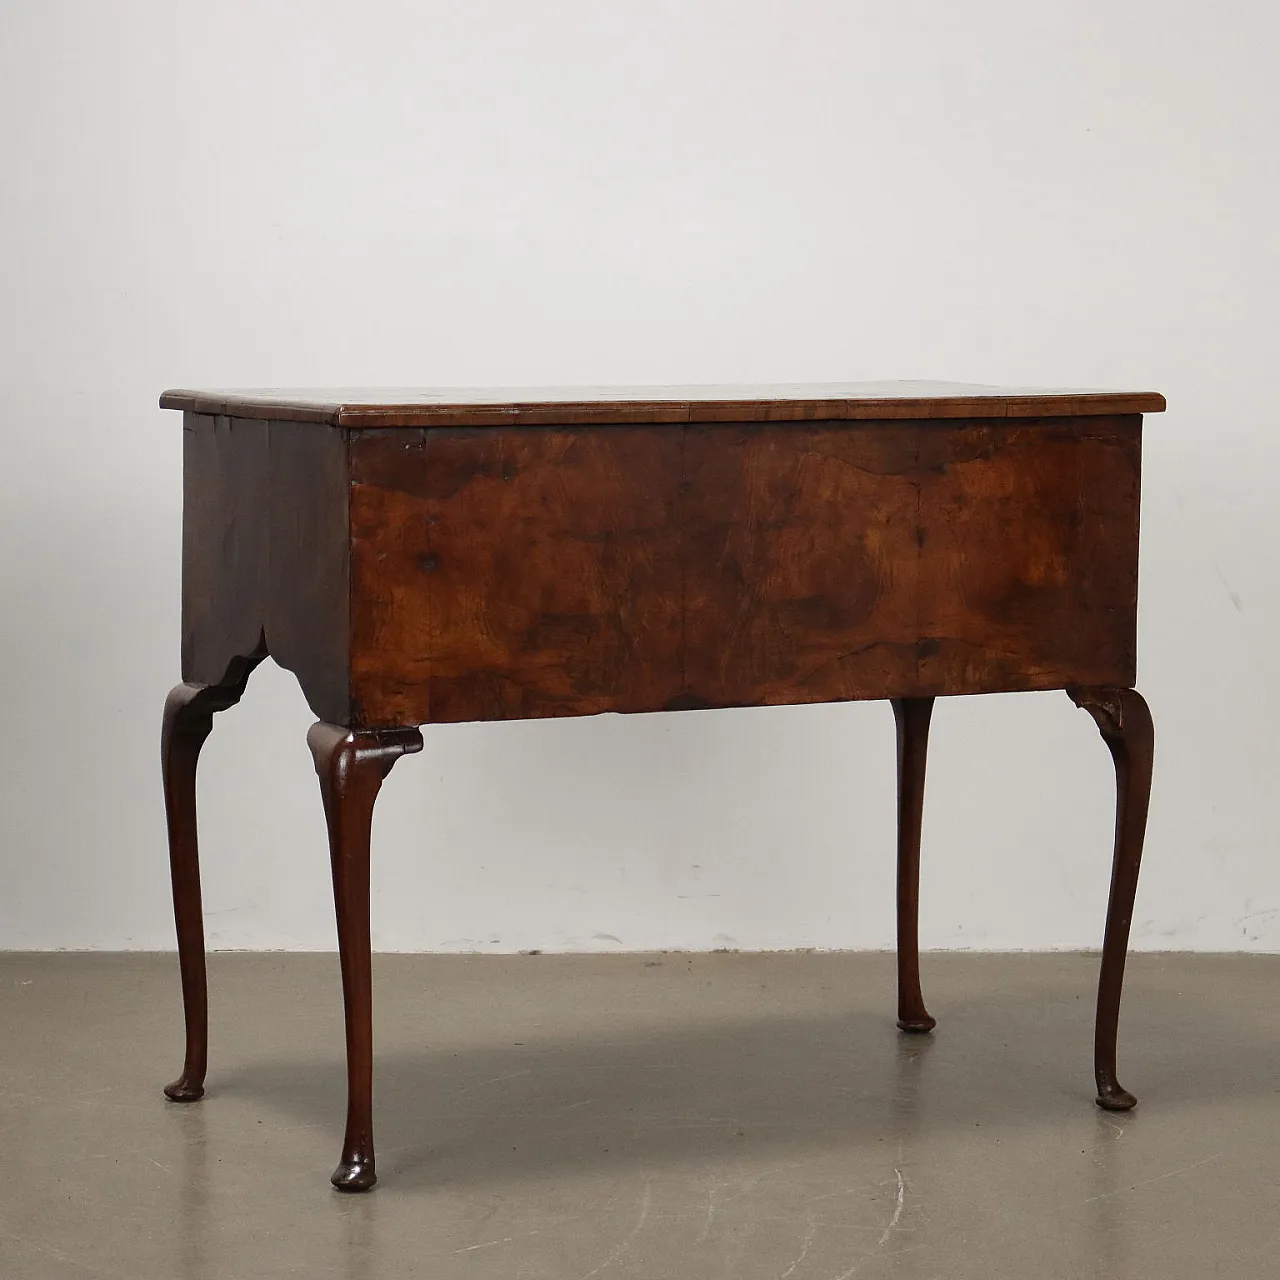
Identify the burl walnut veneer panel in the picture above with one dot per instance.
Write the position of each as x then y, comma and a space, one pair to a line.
567, 571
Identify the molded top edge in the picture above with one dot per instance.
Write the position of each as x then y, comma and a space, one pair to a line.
799, 402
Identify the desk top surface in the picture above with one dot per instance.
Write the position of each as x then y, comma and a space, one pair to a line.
797, 402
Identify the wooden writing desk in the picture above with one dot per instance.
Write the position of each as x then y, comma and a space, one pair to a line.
417, 557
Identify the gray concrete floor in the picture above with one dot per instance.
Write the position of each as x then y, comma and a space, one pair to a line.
568, 1117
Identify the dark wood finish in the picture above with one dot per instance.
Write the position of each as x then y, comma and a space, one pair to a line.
351, 768
545, 572
801, 557
432, 557
266, 554
188, 721
601, 406
568, 571
912, 716
1124, 720
1029, 570
410, 577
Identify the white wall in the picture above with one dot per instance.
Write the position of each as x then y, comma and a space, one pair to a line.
511, 192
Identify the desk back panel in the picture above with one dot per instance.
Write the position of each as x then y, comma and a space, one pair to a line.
501, 573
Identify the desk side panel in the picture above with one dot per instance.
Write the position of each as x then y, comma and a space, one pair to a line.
265, 555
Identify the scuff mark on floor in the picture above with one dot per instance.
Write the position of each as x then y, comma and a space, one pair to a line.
711, 1210
646, 1199
811, 1230
1160, 1177
899, 1203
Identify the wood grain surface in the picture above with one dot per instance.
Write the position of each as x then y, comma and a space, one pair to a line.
563, 571
358, 407
447, 574
265, 555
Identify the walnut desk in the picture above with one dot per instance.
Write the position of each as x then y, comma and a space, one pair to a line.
417, 557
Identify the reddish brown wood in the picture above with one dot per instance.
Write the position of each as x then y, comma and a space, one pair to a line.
351, 768
362, 407
789, 595
912, 717
533, 572
1123, 718
188, 721
501, 575
1029, 568
444, 556
452, 574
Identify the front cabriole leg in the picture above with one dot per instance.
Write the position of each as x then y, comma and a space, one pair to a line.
351, 765
1124, 720
188, 721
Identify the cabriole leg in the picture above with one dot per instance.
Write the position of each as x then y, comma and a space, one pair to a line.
1124, 720
351, 765
188, 721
